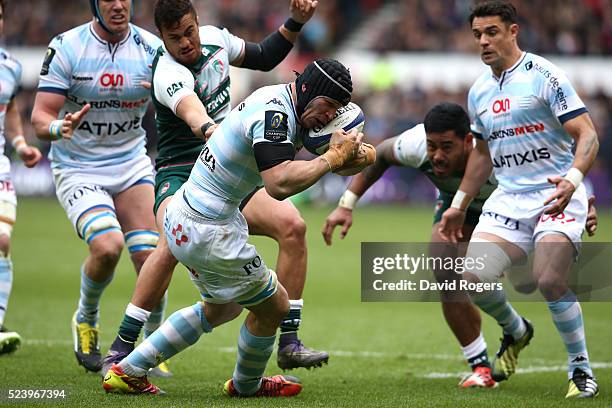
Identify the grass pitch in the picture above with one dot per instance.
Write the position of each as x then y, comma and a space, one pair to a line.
382, 354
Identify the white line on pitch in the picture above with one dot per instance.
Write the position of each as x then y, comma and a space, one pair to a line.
527, 370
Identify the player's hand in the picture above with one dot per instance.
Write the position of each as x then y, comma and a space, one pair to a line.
210, 131
591, 222
451, 225
340, 216
562, 195
30, 155
72, 120
302, 10
145, 83
343, 146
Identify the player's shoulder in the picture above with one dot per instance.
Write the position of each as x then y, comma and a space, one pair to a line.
482, 83
410, 147
272, 97
145, 39
10, 62
74, 38
540, 68
213, 35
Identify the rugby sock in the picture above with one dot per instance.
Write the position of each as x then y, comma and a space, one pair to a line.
253, 355
91, 291
133, 320
182, 329
567, 316
291, 323
6, 283
157, 316
494, 304
476, 353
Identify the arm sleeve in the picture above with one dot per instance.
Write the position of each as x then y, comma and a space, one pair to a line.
410, 147
172, 82
56, 70
268, 53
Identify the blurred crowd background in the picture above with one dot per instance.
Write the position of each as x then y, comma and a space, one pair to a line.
581, 28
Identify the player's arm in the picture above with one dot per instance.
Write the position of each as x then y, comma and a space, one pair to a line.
477, 171
582, 130
360, 183
173, 86
47, 106
13, 131
284, 177
268, 53
192, 111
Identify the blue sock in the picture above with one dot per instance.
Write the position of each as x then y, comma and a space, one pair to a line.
253, 355
494, 304
182, 329
567, 316
89, 301
6, 283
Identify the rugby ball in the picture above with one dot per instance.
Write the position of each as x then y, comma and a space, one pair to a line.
348, 117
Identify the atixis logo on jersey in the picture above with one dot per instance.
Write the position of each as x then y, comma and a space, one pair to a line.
520, 159
6, 185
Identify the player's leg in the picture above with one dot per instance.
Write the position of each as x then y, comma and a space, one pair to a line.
556, 247
182, 329
9, 340
255, 345
281, 221
461, 315
497, 255
154, 278
151, 289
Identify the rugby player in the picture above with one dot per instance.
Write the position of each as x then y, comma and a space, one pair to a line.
205, 230
439, 148
534, 132
191, 94
12, 131
90, 103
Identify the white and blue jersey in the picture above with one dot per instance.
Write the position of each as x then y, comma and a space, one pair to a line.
226, 171
86, 69
521, 116
10, 78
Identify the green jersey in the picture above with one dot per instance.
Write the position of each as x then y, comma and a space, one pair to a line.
208, 79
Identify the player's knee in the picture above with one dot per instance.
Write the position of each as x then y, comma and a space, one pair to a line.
551, 287
294, 229
5, 245
106, 248
488, 261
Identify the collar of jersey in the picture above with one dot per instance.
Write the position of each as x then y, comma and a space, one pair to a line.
506, 74
288, 89
106, 43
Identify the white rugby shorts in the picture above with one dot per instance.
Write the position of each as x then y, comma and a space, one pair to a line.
83, 189
520, 219
222, 264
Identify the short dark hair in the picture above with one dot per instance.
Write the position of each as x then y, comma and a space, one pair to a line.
169, 12
447, 116
3, 6
504, 9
